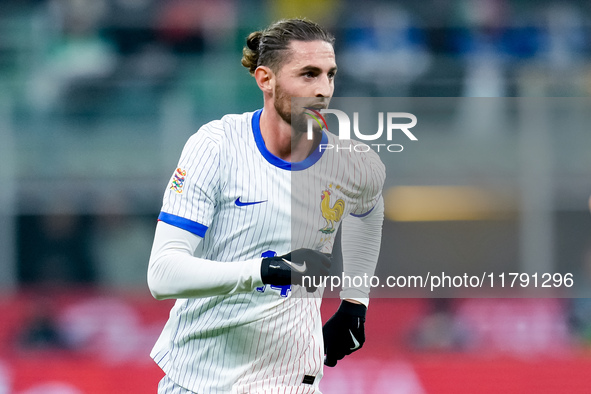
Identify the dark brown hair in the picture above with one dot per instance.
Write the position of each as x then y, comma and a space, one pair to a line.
267, 47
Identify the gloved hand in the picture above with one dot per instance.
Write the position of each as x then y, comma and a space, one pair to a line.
344, 332
290, 268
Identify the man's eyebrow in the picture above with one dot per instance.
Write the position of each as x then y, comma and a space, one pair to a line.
317, 69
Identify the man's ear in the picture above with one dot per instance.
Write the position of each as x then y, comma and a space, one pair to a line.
265, 78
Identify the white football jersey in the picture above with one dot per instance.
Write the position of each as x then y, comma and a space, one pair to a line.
246, 203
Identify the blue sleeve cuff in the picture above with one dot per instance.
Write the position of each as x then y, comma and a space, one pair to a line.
363, 214
186, 224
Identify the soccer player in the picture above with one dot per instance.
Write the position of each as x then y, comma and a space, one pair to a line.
234, 242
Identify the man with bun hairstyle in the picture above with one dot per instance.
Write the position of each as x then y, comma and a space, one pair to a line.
233, 244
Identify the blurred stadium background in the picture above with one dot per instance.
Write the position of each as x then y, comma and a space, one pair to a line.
97, 98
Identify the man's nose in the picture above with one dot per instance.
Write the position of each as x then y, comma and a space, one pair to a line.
324, 87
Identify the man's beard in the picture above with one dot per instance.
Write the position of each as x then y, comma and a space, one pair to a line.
283, 105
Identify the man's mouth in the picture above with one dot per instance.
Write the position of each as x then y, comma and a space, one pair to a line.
317, 107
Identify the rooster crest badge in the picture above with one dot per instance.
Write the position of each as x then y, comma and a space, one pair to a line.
330, 213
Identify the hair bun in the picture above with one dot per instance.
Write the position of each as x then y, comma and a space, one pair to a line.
250, 53
253, 40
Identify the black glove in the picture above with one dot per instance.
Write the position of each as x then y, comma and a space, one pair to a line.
290, 268
344, 332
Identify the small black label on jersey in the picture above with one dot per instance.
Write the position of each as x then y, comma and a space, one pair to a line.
308, 379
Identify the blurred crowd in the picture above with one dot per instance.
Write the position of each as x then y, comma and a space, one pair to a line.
93, 49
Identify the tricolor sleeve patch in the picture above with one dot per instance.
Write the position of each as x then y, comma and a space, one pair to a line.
178, 180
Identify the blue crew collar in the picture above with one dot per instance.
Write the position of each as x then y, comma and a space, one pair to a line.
276, 161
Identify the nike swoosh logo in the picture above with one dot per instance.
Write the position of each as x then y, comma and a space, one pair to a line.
296, 267
355, 341
243, 204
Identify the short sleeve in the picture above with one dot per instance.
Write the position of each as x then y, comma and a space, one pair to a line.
374, 175
189, 198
